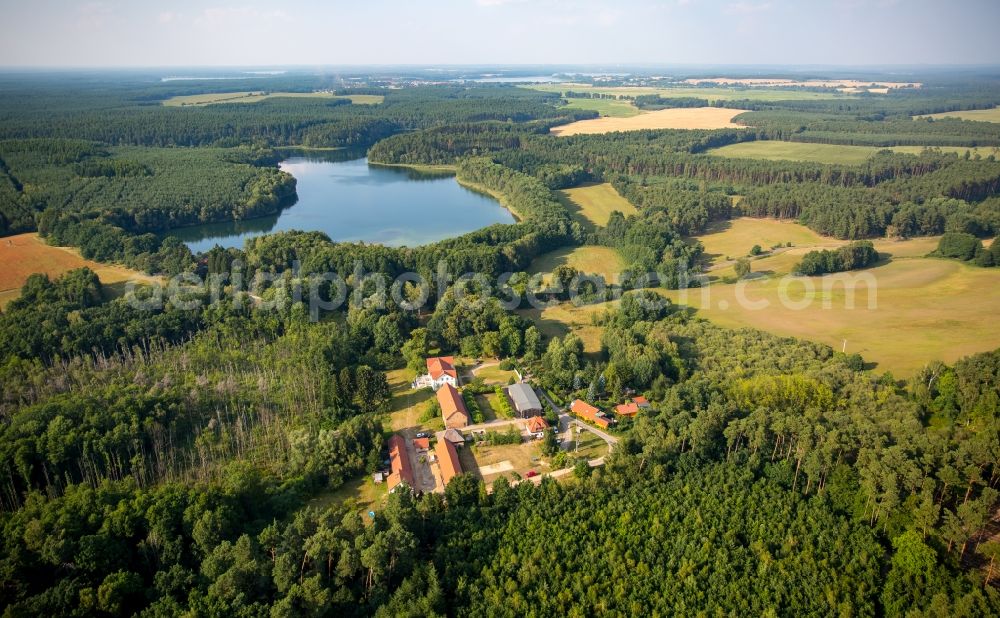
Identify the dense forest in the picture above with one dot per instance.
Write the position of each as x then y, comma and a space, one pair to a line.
192, 460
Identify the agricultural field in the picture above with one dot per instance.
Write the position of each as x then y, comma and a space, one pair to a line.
196, 100
680, 118
772, 150
927, 309
25, 254
982, 115
711, 93
612, 108
590, 259
592, 204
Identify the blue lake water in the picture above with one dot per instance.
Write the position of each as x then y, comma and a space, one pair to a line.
354, 201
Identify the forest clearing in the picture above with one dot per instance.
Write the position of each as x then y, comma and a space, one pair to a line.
197, 100
593, 203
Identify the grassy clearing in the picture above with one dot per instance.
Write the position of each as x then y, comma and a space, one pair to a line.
726, 241
682, 118
196, 100
590, 259
592, 203
982, 115
407, 404
825, 153
560, 320
712, 94
362, 494
25, 254
927, 309
606, 107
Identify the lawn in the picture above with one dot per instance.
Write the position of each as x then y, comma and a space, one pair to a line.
592, 203
605, 107
773, 150
590, 259
982, 115
25, 254
408, 404
196, 100
680, 118
591, 446
711, 93
361, 493
495, 375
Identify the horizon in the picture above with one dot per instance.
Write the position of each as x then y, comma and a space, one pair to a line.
188, 34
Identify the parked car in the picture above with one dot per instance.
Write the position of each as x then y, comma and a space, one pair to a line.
530, 474
422, 434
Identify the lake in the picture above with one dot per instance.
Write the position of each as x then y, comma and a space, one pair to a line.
354, 201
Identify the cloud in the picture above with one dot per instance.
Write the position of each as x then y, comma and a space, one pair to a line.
747, 8
167, 17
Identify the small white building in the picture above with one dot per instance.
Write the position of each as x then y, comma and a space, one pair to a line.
440, 371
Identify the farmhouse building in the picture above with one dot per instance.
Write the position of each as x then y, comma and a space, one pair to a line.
448, 462
524, 400
453, 409
536, 426
454, 436
399, 461
440, 371
589, 413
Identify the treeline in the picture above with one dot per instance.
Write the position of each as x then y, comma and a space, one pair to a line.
851, 256
968, 248
655, 102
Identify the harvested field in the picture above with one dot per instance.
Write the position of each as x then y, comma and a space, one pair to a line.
773, 150
589, 259
25, 254
982, 115
592, 204
682, 118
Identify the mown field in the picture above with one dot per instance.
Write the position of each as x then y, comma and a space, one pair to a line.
605, 107
712, 94
825, 153
590, 259
592, 203
926, 308
25, 254
982, 115
680, 118
253, 97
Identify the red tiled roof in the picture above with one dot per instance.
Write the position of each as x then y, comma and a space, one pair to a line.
627, 409
448, 460
400, 462
536, 424
442, 365
588, 413
421, 444
641, 401
452, 407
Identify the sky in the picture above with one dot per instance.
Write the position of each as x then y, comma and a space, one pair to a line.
151, 33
